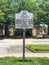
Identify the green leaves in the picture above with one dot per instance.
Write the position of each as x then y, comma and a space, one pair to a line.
8, 8
1, 17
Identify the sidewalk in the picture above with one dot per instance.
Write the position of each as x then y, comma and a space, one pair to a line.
26, 55
27, 40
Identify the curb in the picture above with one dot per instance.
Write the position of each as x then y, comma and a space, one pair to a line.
37, 51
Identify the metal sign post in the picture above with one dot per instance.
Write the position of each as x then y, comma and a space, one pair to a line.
23, 45
24, 20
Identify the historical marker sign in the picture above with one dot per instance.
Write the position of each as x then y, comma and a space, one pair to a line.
24, 19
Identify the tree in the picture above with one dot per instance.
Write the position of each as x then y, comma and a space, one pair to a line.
1, 18
8, 8
44, 12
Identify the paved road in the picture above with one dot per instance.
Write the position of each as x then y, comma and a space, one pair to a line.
5, 47
10, 44
40, 42
7, 44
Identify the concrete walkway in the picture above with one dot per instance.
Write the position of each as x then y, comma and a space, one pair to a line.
30, 39
26, 55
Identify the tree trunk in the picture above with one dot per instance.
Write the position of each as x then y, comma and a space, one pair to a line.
6, 30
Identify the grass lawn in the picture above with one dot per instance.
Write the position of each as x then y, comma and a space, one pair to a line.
30, 61
38, 47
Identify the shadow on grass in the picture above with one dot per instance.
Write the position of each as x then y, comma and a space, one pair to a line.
24, 60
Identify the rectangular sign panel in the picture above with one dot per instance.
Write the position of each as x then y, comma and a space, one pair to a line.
24, 19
